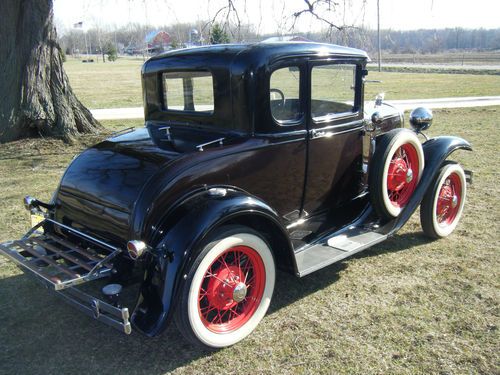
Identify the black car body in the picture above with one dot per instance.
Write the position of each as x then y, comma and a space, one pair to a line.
268, 152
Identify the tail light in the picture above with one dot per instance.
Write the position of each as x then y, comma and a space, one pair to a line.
136, 249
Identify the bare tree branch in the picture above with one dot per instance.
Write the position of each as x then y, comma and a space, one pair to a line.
325, 11
312, 9
226, 12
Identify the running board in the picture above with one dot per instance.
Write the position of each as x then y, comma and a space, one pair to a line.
335, 249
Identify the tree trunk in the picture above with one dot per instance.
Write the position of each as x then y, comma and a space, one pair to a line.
35, 95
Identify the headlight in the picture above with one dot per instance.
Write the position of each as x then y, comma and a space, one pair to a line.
420, 119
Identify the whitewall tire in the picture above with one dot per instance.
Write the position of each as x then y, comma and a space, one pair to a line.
228, 289
395, 171
443, 203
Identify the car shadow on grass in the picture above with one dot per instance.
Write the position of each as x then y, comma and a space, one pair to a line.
290, 288
40, 334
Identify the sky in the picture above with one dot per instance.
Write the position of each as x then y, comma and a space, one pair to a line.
273, 16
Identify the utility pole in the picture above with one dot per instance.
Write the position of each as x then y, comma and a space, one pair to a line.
378, 35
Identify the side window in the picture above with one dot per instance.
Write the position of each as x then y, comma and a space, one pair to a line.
188, 91
333, 90
284, 88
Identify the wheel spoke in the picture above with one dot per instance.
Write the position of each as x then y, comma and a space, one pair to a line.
202, 296
240, 260
217, 278
235, 313
224, 262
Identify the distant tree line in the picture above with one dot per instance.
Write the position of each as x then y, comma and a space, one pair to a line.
423, 41
99, 40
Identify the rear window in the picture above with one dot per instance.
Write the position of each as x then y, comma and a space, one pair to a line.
188, 91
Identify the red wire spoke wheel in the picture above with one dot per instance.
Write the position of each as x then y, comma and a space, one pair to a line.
443, 204
232, 289
228, 289
395, 171
448, 200
401, 178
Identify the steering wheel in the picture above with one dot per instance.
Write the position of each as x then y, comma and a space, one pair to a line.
276, 92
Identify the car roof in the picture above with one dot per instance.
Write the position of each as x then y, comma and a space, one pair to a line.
291, 47
256, 54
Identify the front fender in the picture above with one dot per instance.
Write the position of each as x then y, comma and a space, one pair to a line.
436, 150
181, 234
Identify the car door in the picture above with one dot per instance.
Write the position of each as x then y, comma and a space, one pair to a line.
278, 169
285, 154
335, 123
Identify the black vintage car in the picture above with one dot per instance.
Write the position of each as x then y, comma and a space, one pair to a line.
252, 158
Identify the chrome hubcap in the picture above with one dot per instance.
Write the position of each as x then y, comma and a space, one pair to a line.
239, 292
409, 175
454, 201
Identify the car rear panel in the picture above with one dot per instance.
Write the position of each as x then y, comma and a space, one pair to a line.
99, 189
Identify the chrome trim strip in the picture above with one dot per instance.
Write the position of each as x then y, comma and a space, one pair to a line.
283, 134
86, 236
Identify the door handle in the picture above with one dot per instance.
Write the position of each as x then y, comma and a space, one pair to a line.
320, 134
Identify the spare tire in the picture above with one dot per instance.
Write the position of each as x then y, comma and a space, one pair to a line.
395, 170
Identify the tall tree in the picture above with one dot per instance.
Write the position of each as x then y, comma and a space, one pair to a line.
35, 95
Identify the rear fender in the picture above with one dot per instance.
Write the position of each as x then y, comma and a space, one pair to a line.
436, 151
181, 233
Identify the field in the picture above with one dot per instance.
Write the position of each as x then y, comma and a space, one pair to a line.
406, 306
117, 84
470, 58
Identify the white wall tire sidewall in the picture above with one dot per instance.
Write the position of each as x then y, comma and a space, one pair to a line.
402, 138
220, 340
445, 230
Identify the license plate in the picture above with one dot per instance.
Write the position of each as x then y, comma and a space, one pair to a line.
36, 219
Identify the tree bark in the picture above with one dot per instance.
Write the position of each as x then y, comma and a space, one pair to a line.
35, 95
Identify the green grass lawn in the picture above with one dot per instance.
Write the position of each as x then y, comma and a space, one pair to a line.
431, 85
406, 306
106, 85
117, 84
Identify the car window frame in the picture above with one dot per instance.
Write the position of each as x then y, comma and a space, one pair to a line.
165, 109
342, 117
285, 124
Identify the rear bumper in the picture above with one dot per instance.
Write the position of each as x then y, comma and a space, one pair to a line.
118, 318
62, 265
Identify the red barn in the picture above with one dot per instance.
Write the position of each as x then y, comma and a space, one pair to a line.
157, 40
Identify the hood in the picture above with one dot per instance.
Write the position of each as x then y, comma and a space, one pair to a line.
390, 116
